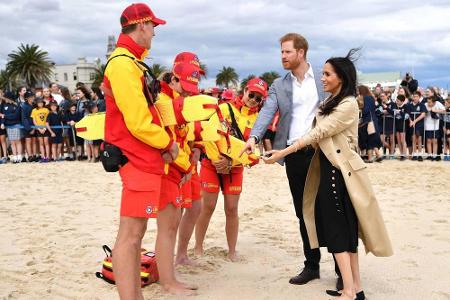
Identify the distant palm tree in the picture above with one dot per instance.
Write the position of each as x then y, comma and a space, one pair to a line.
6, 82
269, 77
246, 80
158, 69
226, 77
99, 73
30, 64
204, 68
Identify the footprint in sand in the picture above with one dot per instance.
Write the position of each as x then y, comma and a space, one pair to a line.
440, 221
410, 262
441, 296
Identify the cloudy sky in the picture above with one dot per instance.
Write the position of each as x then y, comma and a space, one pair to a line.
412, 35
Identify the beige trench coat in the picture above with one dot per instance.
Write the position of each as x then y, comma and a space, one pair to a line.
337, 137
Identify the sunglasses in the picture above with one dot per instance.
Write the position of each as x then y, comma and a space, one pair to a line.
258, 99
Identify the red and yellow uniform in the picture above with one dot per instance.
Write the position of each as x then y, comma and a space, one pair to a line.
230, 183
134, 125
171, 191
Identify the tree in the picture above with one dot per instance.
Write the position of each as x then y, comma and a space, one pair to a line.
99, 73
246, 80
204, 68
6, 82
158, 69
30, 64
269, 77
226, 77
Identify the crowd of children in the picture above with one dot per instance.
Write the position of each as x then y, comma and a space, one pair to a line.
417, 124
39, 126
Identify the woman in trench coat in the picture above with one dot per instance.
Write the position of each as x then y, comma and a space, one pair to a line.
338, 201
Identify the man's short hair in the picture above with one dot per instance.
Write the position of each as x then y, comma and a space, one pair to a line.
299, 41
130, 28
418, 93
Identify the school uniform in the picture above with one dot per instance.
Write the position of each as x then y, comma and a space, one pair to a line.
12, 120
388, 121
400, 116
76, 117
415, 111
56, 119
432, 122
27, 120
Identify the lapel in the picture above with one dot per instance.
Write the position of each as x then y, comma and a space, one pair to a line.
287, 87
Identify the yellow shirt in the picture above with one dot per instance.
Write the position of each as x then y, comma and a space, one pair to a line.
39, 116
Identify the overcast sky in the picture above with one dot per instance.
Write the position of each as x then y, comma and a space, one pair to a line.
400, 35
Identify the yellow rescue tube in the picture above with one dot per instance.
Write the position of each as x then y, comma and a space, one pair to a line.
91, 127
204, 131
182, 110
233, 148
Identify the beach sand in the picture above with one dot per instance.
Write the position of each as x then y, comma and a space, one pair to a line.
55, 217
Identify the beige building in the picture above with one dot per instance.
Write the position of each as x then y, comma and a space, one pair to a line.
385, 79
68, 75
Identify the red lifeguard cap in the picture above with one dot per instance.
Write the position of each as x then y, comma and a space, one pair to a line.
189, 76
190, 58
257, 85
138, 13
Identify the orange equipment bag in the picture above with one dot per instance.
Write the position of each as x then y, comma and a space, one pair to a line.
149, 270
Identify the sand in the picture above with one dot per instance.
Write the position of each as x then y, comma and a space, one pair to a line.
55, 217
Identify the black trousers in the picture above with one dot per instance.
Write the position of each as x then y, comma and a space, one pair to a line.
297, 165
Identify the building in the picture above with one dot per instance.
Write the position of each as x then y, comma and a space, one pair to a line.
69, 74
385, 79
111, 46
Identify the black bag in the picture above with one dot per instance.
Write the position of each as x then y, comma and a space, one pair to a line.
112, 157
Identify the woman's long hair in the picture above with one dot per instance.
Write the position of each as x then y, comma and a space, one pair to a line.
346, 71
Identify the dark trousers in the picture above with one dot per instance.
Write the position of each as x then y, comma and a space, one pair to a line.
297, 165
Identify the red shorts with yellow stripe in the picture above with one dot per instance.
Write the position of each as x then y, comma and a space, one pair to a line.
140, 192
191, 191
212, 182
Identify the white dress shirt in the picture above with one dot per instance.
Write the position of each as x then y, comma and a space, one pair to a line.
305, 102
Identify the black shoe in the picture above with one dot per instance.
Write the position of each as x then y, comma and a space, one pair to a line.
414, 158
359, 296
339, 284
438, 158
24, 159
305, 276
420, 158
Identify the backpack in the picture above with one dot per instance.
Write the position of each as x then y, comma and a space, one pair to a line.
149, 270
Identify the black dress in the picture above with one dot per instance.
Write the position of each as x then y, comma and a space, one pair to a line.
336, 220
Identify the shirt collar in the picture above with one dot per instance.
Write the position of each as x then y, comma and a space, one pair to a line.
309, 73
128, 43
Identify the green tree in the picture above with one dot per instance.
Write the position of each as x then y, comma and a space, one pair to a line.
269, 77
158, 69
6, 82
204, 68
99, 73
30, 64
246, 80
226, 77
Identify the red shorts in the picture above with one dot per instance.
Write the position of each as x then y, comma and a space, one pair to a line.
190, 191
231, 183
170, 193
140, 192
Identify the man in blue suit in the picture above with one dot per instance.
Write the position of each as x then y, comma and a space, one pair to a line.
297, 96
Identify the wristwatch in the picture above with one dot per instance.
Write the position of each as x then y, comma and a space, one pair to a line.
256, 138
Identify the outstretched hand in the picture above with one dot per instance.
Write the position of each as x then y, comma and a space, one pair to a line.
249, 147
271, 157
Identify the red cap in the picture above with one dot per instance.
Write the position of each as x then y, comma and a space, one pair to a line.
188, 75
228, 95
190, 58
137, 13
257, 85
215, 90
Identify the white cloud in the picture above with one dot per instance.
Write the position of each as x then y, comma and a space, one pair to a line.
396, 35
